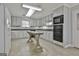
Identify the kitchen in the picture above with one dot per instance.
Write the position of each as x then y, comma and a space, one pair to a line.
54, 21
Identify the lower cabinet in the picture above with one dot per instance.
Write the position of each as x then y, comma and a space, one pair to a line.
47, 35
19, 34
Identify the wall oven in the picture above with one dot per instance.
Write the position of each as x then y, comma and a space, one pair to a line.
58, 33
58, 28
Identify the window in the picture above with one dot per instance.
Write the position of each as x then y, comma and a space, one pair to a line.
25, 24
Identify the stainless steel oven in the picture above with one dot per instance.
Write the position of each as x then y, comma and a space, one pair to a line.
58, 33
58, 19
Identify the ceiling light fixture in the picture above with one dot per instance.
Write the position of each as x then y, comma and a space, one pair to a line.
30, 12
31, 7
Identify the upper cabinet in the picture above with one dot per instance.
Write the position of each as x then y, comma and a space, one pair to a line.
58, 11
46, 20
16, 21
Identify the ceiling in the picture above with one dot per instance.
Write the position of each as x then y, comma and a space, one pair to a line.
16, 9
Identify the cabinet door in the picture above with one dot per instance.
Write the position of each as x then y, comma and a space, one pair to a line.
19, 21
42, 21
13, 21
51, 36
45, 35
31, 23
16, 21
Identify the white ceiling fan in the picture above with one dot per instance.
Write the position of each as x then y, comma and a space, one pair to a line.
31, 9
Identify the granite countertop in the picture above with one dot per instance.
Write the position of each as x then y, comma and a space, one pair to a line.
24, 28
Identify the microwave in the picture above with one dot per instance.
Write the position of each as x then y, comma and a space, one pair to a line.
58, 19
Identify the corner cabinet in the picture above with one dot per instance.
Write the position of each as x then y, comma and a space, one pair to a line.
66, 11
5, 30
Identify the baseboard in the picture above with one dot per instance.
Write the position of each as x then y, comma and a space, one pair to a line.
3, 54
20, 38
68, 46
59, 43
46, 40
52, 42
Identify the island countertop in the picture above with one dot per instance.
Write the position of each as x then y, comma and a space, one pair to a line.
25, 28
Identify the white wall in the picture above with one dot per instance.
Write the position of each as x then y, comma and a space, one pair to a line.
75, 32
67, 29
1, 29
7, 30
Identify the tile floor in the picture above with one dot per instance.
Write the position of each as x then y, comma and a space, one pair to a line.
20, 47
